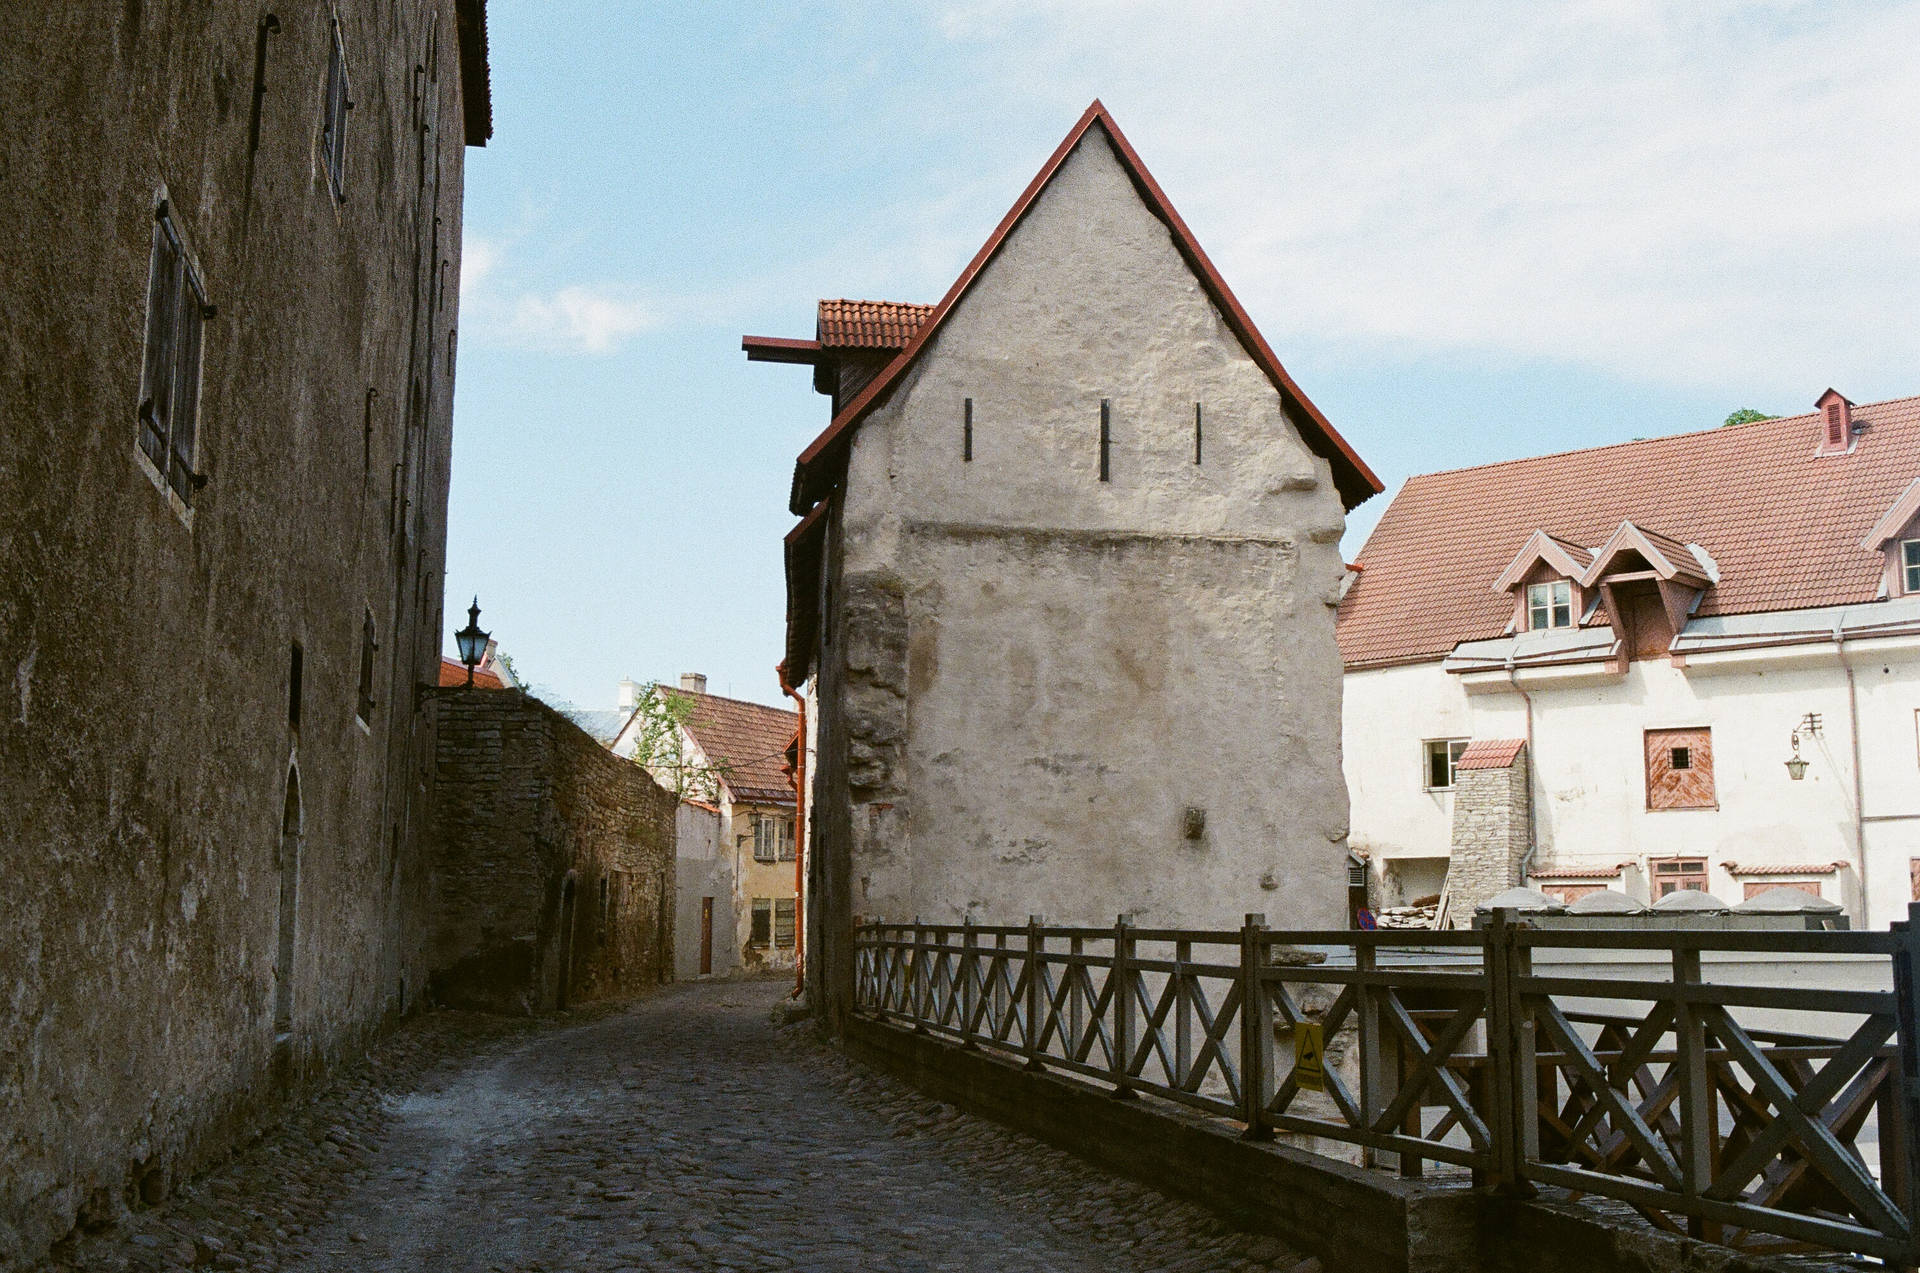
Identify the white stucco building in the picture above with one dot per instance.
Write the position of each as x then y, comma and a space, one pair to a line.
1662, 625
1064, 583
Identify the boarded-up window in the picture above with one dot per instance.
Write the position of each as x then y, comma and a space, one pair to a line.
1913, 868
1756, 887
1680, 769
1670, 875
783, 923
1570, 893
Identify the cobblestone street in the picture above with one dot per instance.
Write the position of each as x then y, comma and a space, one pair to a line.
678, 1132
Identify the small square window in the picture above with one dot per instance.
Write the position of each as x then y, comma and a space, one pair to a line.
1910, 566
1549, 605
1442, 756
1680, 758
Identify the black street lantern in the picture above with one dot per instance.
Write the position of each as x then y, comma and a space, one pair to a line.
471, 640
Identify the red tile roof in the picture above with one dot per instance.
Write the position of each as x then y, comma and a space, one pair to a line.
820, 465
1575, 873
1490, 753
1782, 524
1783, 868
869, 324
454, 672
746, 741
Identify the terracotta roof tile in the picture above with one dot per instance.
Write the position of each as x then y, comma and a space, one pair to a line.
1575, 873
454, 672
869, 324
747, 741
1490, 753
1782, 524
1782, 868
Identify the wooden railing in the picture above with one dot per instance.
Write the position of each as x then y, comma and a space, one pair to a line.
1656, 1084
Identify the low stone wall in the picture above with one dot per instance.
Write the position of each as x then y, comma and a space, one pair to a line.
552, 861
1353, 1219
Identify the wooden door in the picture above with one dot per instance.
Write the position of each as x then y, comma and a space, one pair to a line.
706, 935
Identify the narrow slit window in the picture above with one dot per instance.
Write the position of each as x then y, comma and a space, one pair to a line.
1106, 439
966, 432
364, 708
1196, 433
294, 672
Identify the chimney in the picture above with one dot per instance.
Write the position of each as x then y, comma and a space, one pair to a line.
693, 682
1836, 423
628, 695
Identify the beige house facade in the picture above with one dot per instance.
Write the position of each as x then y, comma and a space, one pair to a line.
1063, 586
733, 758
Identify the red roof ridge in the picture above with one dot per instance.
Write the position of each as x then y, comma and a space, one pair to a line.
1356, 483
1715, 430
744, 702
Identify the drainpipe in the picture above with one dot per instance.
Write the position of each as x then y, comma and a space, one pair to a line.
1859, 789
799, 837
1533, 767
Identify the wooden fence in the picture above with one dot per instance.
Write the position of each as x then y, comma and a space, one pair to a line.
1654, 1085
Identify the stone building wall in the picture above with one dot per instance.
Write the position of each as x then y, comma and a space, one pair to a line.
1028, 674
552, 861
1491, 831
168, 819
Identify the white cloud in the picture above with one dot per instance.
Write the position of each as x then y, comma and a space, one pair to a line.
572, 319
1670, 191
580, 319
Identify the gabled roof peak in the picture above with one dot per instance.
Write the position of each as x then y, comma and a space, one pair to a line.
1668, 557
820, 465
1562, 555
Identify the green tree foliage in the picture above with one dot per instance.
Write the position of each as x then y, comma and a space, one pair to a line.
660, 751
1746, 415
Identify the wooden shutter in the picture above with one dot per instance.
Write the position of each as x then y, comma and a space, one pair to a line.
1680, 769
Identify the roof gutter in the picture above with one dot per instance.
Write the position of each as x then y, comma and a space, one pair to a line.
1859, 787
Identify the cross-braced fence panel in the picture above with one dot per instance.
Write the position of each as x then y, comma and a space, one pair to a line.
1644, 1070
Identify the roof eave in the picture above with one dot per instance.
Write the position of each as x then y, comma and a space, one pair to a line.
476, 81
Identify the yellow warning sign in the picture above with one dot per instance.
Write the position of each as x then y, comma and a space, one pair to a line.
1309, 1049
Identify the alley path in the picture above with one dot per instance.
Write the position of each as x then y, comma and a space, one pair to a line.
679, 1132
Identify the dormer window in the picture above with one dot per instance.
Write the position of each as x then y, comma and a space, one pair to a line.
1910, 566
1549, 605
1836, 423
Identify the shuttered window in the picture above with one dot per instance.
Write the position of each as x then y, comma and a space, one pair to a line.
170, 373
1680, 769
783, 923
333, 136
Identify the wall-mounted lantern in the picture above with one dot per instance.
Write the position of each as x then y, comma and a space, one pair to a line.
473, 642
1809, 725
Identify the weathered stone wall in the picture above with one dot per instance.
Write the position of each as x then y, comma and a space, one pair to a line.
1490, 834
147, 752
552, 861
1030, 674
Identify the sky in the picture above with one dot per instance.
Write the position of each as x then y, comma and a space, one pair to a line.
1470, 231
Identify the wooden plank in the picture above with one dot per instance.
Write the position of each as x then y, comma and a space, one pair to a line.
1652, 1149
1811, 1099
1844, 1171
